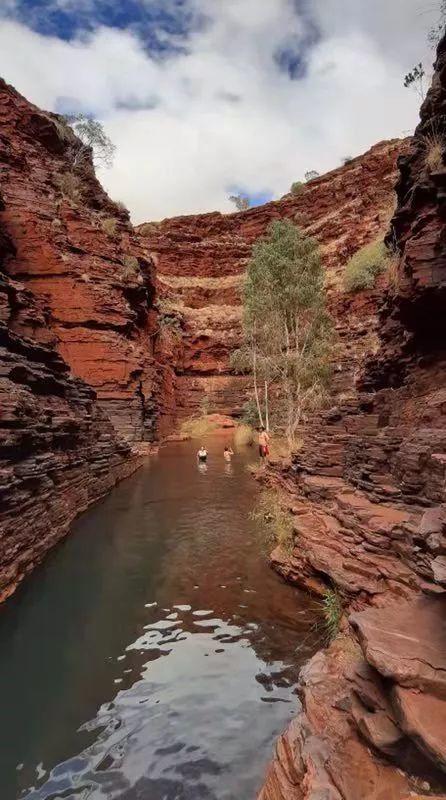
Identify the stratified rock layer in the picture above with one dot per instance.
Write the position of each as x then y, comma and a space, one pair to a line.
201, 261
75, 249
367, 492
58, 450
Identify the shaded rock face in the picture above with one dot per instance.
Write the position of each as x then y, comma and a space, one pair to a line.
367, 490
201, 261
75, 249
58, 450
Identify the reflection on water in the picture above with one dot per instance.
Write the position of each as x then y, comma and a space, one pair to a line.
154, 654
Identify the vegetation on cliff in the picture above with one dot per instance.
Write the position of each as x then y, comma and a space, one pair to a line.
271, 510
365, 265
288, 333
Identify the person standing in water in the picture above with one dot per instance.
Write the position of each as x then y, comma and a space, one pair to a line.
202, 455
228, 453
263, 444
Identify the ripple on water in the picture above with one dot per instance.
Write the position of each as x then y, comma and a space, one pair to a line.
162, 648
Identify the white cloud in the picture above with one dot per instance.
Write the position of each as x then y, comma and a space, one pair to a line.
226, 115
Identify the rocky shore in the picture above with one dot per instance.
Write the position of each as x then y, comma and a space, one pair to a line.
367, 491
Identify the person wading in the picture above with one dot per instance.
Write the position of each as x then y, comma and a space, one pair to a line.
228, 453
263, 444
202, 454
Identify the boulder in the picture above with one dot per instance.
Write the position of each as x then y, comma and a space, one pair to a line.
423, 717
406, 643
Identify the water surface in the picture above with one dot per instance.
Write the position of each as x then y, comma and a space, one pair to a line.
154, 655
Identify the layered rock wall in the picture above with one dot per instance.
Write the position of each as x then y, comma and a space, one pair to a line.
58, 450
75, 249
201, 261
368, 492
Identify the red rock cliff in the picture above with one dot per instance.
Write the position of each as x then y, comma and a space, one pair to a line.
75, 249
201, 261
58, 450
368, 494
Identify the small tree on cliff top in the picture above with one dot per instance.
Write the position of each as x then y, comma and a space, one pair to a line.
241, 201
415, 80
93, 140
288, 332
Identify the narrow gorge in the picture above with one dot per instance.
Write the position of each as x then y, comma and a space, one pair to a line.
112, 335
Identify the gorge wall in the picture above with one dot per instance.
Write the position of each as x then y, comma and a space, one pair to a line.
58, 450
200, 263
367, 491
79, 292
76, 250
79, 382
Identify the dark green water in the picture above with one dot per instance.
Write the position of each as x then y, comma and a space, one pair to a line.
153, 655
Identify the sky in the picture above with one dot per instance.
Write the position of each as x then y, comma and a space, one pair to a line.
207, 98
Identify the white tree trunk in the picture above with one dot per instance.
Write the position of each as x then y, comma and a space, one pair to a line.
256, 388
266, 407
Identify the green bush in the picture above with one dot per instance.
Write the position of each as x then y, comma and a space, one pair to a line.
332, 612
297, 188
364, 267
250, 415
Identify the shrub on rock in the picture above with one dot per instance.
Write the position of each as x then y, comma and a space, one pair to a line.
364, 267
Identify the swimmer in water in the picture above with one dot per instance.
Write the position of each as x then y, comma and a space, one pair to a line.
202, 455
228, 453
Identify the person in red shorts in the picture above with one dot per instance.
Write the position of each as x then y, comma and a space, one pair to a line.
263, 444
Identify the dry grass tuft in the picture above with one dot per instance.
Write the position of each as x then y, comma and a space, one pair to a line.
198, 427
271, 510
70, 186
149, 228
434, 146
109, 225
244, 436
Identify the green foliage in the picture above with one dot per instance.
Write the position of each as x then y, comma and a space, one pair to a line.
169, 316
288, 332
297, 188
311, 175
332, 613
240, 361
347, 160
270, 510
364, 267
415, 80
91, 140
249, 415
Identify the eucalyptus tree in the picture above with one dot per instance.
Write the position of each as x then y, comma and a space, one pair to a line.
288, 333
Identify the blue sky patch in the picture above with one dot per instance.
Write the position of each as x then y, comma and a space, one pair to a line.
258, 198
161, 24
